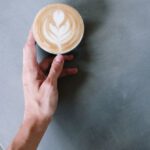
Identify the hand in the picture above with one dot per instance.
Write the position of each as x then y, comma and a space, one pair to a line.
40, 93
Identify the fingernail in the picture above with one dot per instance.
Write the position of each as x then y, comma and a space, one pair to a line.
59, 58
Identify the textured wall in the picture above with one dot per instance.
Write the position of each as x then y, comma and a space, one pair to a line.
104, 107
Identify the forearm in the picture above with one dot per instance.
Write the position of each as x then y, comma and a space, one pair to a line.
29, 135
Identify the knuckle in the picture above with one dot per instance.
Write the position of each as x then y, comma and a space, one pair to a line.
57, 66
55, 69
49, 85
50, 82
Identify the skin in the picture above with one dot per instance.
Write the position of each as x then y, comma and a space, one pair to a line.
40, 95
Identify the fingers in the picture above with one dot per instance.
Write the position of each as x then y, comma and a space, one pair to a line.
46, 62
29, 52
56, 69
69, 71
68, 57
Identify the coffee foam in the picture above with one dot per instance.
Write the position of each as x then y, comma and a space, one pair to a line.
58, 28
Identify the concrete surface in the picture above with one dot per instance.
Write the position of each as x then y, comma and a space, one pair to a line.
107, 105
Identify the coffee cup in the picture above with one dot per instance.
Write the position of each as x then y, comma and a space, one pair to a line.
58, 28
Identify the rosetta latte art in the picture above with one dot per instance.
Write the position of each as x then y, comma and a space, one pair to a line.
58, 28
58, 32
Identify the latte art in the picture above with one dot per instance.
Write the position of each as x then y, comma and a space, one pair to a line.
58, 28
58, 32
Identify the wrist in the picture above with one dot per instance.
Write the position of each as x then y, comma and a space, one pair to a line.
36, 116
36, 126
36, 121
29, 134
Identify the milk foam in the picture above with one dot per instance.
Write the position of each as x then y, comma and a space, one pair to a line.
58, 17
58, 31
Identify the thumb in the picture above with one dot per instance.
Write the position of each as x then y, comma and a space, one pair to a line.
56, 68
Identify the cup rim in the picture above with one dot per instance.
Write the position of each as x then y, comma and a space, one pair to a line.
52, 52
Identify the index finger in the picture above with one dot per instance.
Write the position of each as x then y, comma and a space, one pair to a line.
29, 52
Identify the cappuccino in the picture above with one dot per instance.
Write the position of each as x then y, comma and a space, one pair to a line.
58, 28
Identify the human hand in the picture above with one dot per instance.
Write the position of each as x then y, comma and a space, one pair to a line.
40, 94
40, 90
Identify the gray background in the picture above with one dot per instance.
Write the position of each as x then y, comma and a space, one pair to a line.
107, 105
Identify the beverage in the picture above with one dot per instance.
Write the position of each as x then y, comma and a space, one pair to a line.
58, 28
